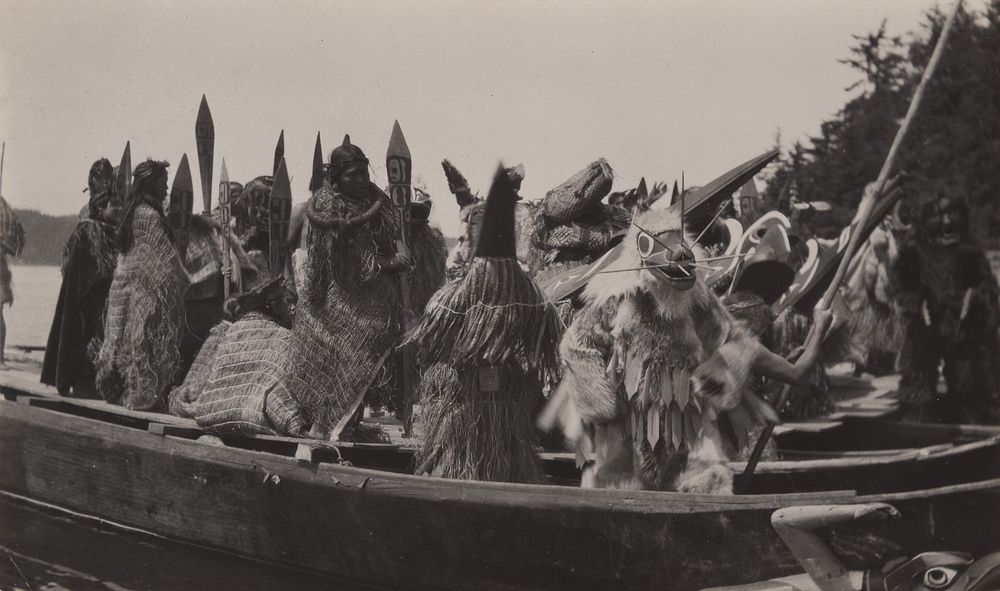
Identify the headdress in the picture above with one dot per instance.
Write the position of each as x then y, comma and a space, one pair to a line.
143, 192
100, 184
252, 204
343, 156
420, 207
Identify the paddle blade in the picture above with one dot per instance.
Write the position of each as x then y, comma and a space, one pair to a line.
279, 153
125, 171
400, 170
224, 193
279, 214
316, 181
181, 201
204, 133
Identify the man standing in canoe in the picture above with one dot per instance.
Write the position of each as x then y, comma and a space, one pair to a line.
87, 270
140, 357
349, 313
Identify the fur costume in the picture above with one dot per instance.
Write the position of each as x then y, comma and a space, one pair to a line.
649, 366
948, 298
430, 255
741, 430
140, 357
488, 343
875, 321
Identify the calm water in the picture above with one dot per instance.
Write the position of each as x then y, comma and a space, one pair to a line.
40, 549
36, 289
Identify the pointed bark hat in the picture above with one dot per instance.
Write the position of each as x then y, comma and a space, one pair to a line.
496, 236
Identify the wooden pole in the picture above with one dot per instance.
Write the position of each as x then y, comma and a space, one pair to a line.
871, 195
864, 212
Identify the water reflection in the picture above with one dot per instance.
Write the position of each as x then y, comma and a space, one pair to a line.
41, 550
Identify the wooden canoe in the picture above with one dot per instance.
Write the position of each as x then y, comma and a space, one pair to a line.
297, 504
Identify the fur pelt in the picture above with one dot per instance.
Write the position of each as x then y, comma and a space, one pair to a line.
633, 331
875, 321
948, 300
99, 238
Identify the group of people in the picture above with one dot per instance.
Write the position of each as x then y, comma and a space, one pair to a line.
648, 372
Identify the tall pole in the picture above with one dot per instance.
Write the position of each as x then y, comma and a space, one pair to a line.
864, 212
871, 195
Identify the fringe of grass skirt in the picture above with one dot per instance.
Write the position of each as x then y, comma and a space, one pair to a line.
491, 316
473, 434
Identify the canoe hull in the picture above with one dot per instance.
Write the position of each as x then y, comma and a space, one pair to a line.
403, 531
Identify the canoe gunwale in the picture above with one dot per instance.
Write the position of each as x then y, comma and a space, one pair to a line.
408, 485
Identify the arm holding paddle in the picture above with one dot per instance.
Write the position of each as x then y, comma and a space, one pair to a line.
795, 371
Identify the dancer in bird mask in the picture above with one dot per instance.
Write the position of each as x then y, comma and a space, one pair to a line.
653, 358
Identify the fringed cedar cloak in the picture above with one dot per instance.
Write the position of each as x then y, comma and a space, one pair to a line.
349, 313
648, 367
139, 359
488, 343
259, 377
87, 270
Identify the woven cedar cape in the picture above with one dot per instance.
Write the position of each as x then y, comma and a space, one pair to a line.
349, 312
203, 301
488, 342
139, 359
572, 226
238, 382
11, 231
262, 378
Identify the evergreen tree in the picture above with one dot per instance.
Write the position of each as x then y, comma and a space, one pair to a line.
953, 144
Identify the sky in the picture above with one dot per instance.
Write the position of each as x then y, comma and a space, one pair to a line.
696, 86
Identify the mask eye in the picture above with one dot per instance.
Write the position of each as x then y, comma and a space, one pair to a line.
644, 243
939, 577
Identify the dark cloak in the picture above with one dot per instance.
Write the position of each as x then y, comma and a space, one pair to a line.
88, 268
